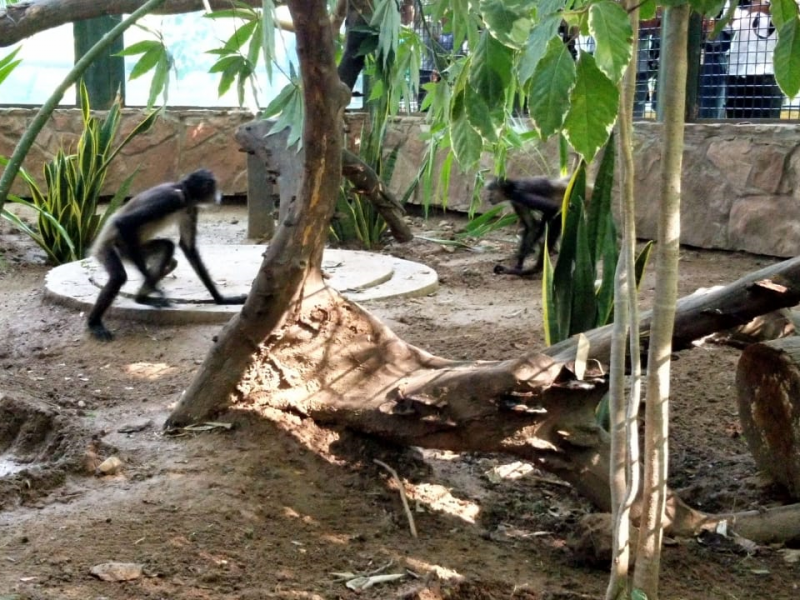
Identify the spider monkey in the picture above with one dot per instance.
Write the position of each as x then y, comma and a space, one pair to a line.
130, 234
529, 196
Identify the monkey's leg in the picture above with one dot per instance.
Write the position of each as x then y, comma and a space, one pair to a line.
158, 255
532, 234
117, 277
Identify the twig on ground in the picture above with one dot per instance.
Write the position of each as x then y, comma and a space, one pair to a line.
411, 525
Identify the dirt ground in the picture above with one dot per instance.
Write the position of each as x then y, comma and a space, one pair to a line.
265, 510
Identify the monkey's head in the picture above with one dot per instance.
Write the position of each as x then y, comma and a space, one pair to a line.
201, 186
497, 190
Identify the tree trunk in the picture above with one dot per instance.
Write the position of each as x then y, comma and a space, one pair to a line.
292, 264
656, 436
625, 465
768, 391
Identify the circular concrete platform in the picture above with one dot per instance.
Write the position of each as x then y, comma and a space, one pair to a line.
359, 276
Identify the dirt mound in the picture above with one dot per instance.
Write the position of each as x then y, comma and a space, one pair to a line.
38, 447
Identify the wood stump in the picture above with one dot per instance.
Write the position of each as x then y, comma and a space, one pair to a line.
768, 389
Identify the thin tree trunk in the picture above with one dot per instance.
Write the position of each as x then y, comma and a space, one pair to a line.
673, 97
624, 468
292, 264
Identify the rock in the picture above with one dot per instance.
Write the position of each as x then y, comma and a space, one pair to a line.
117, 571
110, 466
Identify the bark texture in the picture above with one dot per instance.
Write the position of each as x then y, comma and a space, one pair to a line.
768, 391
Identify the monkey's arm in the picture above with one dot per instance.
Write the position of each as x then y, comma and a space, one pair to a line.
188, 244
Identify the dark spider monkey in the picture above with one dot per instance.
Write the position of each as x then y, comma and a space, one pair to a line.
130, 234
541, 194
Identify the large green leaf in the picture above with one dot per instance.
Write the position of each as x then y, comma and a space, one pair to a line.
787, 57
783, 11
593, 106
536, 46
550, 88
490, 73
611, 28
507, 20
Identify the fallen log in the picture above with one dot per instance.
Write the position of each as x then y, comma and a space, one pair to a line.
338, 365
707, 311
285, 164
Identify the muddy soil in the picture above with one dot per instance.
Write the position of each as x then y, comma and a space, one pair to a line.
266, 509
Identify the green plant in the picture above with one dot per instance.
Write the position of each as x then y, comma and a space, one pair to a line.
578, 291
66, 213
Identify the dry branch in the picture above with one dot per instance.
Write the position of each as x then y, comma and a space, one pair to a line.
709, 311
26, 18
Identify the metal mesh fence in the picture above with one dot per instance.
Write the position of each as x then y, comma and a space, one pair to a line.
735, 77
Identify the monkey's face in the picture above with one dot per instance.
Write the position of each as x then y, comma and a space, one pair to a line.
493, 193
202, 187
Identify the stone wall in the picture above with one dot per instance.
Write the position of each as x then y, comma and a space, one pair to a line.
741, 183
180, 142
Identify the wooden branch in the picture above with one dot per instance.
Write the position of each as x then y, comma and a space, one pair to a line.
26, 18
706, 312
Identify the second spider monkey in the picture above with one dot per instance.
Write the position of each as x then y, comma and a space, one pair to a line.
537, 202
130, 234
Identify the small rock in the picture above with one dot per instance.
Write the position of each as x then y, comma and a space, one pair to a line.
117, 571
109, 466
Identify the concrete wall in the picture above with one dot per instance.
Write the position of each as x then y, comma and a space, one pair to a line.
741, 184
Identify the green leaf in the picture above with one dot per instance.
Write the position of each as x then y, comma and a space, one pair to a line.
507, 20
536, 46
550, 88
491, 69
641, 262
783, 11
281, 100
787, 57
240, 35
584, 302
223, 64
8, 64
600, 206
710, 8
552, 332
148, 61
480, 116
465, 141
292, 117
593, 106
160, 81
611, 28
139, 48
386, 17
240, 13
